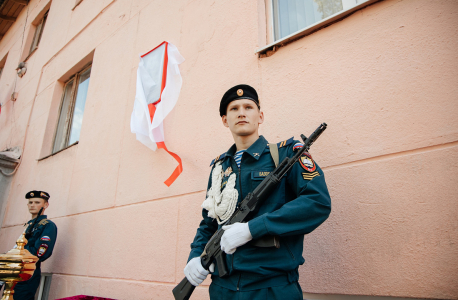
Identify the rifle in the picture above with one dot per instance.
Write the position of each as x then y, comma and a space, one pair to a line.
28, 233
247, 206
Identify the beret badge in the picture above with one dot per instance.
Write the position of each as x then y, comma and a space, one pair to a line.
31, 194
240, 92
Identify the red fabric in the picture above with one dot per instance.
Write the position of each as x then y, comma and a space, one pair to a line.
178, 169
84, 297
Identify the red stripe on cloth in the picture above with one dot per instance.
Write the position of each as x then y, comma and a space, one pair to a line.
164, 71
164, 42
152, 106
152, 110
178, 169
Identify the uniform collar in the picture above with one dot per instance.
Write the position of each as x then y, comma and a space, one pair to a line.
42, 217
254, 150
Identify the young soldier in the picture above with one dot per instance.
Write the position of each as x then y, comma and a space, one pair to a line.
40, 243
298, 205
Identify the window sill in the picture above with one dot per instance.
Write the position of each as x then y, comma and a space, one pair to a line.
272, 47
52, 154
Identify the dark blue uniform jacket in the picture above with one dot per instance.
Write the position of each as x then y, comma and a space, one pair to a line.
298, 205
40, 244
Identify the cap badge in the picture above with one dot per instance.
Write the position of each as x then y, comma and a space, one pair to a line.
32, 194
240, 92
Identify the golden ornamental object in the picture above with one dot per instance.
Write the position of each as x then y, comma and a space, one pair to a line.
16, 265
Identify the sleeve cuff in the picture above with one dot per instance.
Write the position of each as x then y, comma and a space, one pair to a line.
257, 227
194, 253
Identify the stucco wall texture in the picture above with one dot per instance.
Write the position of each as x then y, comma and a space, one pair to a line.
384, 79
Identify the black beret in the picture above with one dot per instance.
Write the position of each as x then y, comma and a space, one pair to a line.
37, 194
241, 91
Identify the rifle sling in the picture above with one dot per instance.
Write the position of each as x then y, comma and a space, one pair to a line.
274, 153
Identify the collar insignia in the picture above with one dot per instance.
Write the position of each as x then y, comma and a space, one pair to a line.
256, 154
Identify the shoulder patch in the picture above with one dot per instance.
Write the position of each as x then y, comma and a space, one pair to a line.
219, 157
297, 146
42, 250
285, 143
307, 162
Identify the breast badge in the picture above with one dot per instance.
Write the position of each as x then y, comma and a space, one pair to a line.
227, 172
307, 162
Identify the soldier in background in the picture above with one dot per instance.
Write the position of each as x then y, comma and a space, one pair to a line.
41, 237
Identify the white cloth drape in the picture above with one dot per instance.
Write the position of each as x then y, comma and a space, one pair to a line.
149, 79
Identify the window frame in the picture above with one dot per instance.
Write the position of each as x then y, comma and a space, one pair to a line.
273, 44
42, 292
70, 112
38, 33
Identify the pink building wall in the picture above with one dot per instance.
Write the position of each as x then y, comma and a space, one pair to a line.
385, 79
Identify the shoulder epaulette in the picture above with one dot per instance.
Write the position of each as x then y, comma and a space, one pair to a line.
285, 143
219, 157
43, 222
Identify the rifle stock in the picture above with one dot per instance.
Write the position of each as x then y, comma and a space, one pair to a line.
183, 290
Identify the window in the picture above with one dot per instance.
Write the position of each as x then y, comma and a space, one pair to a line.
71, 110
288, 20
38, 33
291, 16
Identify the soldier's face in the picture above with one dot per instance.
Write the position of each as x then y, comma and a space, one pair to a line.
243, 117
35, 204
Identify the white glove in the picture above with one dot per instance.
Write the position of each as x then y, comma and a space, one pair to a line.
234, 236
195, 273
